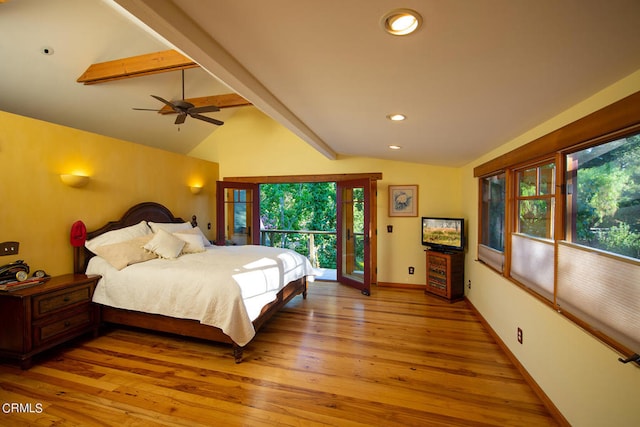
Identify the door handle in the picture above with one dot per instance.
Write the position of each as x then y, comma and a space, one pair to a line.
348, 234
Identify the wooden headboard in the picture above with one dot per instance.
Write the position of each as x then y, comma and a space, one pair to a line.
147, 211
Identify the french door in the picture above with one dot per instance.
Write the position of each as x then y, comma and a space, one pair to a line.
354, 234
238, 221
238, 213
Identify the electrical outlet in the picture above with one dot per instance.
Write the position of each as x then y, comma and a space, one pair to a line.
412, 270
520, 335
9, 248
469, 284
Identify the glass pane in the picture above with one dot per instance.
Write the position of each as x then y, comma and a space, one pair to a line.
358, 210
353, 233
536, 217
242, 195
547, 179
493, 211
240, 212
238, 216
603, 196
358, 228
527, 180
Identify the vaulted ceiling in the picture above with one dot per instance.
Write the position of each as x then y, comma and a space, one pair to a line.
477, 74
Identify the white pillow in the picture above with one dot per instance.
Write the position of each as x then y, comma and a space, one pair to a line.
118, 236
169, 227
193, 243
126, 253
197, 232
165, 245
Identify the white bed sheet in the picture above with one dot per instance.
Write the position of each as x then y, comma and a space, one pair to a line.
225, 286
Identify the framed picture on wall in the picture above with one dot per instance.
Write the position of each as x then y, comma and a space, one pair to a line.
403, 200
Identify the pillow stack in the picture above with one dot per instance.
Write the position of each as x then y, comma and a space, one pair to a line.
145, 241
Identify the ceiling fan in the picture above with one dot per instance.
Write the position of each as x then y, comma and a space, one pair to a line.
184, 108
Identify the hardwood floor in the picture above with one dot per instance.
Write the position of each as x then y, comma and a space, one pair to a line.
398, 357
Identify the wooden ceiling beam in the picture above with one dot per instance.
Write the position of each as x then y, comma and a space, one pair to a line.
226, 100
136, 66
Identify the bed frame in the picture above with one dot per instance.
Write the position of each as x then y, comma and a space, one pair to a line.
155, 212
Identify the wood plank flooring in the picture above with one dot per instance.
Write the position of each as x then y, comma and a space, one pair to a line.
339, 358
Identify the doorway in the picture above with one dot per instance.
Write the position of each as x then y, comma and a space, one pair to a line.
240, 220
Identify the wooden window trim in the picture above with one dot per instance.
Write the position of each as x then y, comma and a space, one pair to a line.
286, 179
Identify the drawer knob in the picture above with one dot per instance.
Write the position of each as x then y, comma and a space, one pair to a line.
66, 299
67, 324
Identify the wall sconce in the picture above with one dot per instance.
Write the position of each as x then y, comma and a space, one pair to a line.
195, 190
75, 181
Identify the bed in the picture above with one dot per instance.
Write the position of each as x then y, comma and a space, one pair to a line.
208, 297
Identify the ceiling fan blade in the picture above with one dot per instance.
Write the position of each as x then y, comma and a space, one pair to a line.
206, 119
181, 118
164, 101
204, 109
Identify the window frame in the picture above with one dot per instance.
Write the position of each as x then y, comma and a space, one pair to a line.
550, 197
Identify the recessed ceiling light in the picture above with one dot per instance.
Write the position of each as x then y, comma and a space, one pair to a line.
395, 147
400, 22
396, 117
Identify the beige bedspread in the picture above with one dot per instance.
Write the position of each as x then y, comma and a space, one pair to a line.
225, 287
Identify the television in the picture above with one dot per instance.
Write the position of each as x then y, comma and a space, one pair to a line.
443, 234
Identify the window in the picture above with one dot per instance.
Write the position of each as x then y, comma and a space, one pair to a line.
603, 197
579, 249
532, 250
595, 283
492, 214
536, 201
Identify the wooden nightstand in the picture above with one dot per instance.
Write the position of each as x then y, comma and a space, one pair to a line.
40, 317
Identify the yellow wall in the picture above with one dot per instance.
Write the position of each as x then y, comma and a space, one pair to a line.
38, 209
257, 146
580, 374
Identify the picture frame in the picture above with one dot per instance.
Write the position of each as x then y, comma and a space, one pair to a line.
403, 200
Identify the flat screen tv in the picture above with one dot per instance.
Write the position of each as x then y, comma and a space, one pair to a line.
443, 234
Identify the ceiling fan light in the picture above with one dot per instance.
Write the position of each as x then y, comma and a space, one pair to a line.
401, 22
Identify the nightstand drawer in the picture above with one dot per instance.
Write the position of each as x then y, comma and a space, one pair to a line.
55, 301
60, 327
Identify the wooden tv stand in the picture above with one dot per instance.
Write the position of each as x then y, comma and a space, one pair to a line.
445, 274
